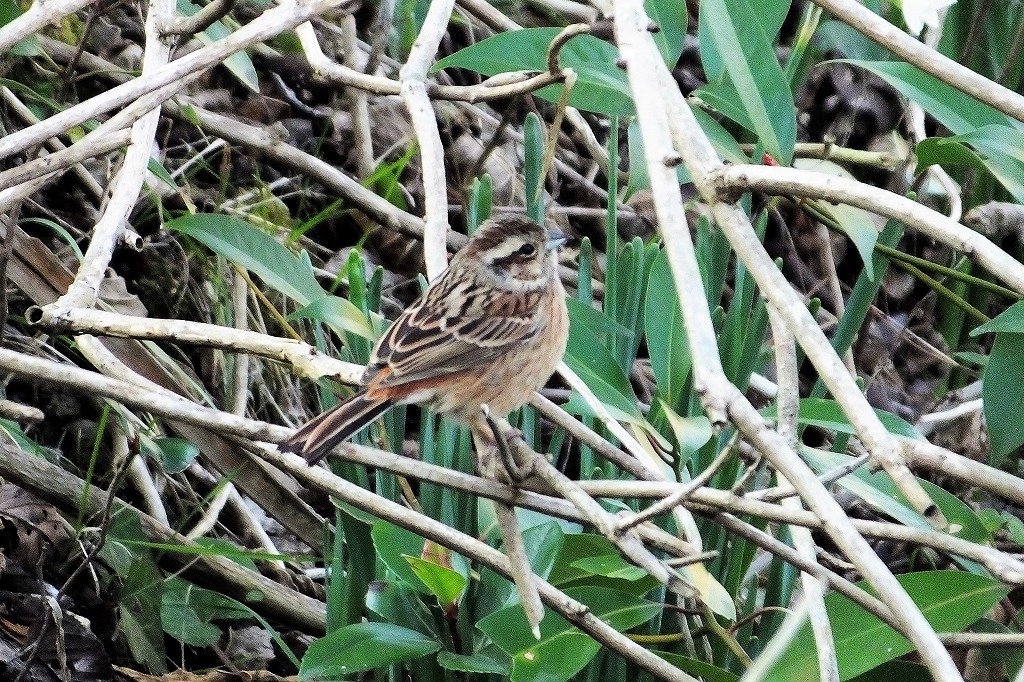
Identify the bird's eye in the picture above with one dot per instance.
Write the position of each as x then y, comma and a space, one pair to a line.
527, 249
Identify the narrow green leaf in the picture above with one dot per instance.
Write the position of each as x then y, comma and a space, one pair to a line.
239, 64
827, 414
752, 67
339, 314
957, 111
856, 223
254, 250
670, 17
665, 331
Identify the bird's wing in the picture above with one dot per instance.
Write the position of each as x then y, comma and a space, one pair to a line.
442, 334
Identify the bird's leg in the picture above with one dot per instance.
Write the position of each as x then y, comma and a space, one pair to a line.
491, 448
516, 473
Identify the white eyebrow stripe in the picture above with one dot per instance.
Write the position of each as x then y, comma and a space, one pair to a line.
509, 247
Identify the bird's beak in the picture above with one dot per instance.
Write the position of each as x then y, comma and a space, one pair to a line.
555, 239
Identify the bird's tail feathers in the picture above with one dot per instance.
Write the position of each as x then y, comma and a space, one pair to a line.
315, 439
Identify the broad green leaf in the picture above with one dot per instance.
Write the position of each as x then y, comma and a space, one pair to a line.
339, 314
563, 650
360, 647
610, 566
187, 612
27, 47
866, 486
949, 600
255, 250
596, 321
601, 86
590, 359
877, 489
751, 65
957, 111
398, 603
1010, 320
175, 454
140, 594
996, 138
444, 583
392, 544
692, 433
238, 64
1002, 394
574, 566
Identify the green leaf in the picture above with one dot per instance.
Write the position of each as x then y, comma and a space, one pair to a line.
255, 250
590, 359
563, 650
665, 331
444, 583
398, 603
494, 663
692, 433
856, 223
670, 16
581, 553
1002, 394
339, 314
771, 14
187, 612
487, 662
700, 669
360, 647
596, 321
601, 87
957, 111
827, 414
175, 454
157, 169
238, 64
724, 143
1010, 320
610, 566
750, 63
952, 152
140, 595
392, 544
949, 600
878, 490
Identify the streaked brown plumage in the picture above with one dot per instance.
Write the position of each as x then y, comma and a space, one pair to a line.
491, 329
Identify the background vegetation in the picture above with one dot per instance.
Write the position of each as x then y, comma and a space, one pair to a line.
785, 442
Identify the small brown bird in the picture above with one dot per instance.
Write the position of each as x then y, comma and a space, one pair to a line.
490, 330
